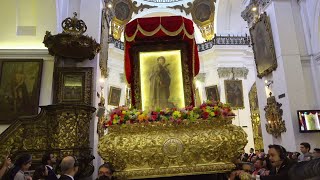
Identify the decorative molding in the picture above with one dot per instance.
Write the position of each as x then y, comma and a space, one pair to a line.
233, 72
316, 57
248, 14
224, 72
141, 7
187, 10
122, 78
201, 77
163, 1
264, 3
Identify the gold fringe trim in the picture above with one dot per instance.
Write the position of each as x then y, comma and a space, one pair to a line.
160, 27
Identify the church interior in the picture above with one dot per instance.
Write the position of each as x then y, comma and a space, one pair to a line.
159, 89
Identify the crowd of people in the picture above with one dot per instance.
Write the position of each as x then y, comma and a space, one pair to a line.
69, 167
278, 164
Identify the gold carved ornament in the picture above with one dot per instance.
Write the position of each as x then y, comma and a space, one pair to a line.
255, 117
166, 149
275, 125
61, 129
71, 43
123, 10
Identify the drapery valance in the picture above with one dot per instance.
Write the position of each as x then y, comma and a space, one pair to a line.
160, 29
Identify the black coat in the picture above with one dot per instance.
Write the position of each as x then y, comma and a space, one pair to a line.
51, 175
282, 173
64, 177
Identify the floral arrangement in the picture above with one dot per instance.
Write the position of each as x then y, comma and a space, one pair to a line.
206, 111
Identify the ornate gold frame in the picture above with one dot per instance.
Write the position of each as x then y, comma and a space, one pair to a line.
215, 87
264, 19
275, 125
226, 94
85, 72
186, 70
112, 88
206, 27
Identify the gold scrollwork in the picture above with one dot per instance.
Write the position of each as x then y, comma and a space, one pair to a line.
166, 149
275, 125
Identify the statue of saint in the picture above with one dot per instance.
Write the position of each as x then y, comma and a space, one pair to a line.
160, 84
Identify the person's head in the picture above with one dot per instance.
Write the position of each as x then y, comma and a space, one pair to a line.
23, 161
161, 60
277, 154
247, 167
253, 159
295, 155
304, 147
257, 152
251, 150
258, 164
40, 173
316, 153
48, 159
69, 165
261, 150
105, 170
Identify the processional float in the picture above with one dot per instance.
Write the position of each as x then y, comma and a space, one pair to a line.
149, 140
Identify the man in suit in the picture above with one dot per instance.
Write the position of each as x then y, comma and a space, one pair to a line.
251, 154
69, 168
49, 161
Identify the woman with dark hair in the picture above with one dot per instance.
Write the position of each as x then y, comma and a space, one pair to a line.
22, 164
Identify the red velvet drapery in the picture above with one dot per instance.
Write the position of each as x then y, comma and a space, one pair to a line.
157, 29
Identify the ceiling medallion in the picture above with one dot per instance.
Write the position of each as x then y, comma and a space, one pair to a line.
71, 43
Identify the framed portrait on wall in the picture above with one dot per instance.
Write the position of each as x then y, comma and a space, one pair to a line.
20, 82
73, 85
212, 93
234, 93
114, 96
162, 77
263, 46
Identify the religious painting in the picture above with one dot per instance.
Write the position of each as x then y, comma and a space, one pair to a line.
114, 96
212, 93
263, 46
73, 85
234, 93
20, 82
161, 79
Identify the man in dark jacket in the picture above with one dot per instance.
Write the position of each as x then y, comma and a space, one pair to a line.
280, 163
49, 161
69, 168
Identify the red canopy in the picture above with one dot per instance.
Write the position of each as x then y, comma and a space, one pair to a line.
169, 28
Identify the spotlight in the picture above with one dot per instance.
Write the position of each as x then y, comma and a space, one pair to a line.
254, 9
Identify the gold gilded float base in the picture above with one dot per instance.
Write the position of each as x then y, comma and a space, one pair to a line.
164, 149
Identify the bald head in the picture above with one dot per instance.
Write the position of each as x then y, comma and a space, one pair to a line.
68, 165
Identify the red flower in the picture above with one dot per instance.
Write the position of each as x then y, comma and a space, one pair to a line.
205, 115
154, 117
